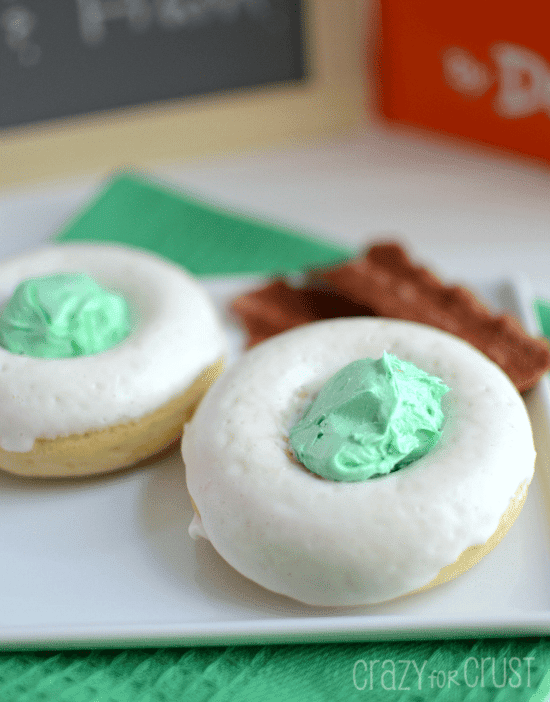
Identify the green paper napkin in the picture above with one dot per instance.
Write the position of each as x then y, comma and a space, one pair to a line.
203, 238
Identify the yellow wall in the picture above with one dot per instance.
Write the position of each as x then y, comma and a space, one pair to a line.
332, 99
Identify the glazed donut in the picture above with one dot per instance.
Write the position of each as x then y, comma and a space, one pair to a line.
331, 543
75, 416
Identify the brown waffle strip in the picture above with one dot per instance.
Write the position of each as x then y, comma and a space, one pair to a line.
388, 283
384, 282
278, 307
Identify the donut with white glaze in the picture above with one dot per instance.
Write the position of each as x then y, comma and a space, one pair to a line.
331, 543
62, 417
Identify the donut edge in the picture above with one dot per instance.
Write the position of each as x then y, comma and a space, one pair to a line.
467, 559
473, 554
115, 447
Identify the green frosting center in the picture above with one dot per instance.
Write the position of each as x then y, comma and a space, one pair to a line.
370, 418
61, 316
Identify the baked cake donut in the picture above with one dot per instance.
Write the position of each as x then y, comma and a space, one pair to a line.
105, 351
329, 542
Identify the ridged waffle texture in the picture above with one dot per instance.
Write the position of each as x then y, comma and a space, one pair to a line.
386, 283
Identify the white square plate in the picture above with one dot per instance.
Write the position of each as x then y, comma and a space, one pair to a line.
108, 561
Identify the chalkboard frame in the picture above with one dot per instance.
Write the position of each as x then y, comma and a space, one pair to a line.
331, 98
64, 58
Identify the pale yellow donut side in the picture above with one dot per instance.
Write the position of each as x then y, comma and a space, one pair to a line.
474, 554
117, 446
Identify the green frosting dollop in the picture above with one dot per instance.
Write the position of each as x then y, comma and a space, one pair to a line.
61, 316
370, 418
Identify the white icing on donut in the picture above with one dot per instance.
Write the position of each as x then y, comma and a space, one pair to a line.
175, 335
331, 543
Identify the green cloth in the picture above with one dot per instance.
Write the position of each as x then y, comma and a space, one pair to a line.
202, 237
279, 673
209, 241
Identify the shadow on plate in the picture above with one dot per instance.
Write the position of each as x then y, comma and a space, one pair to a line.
195, 566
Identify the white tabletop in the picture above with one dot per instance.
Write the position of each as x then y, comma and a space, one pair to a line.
468, 213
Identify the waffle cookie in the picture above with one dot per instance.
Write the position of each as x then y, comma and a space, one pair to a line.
385, 282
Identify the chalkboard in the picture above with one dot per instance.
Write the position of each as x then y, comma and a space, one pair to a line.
69, 57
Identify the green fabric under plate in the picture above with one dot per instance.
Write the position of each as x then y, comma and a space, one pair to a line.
447, 672
206, 239
209, 241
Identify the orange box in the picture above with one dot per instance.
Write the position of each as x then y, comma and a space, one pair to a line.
479, 70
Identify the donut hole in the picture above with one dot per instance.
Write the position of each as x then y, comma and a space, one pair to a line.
306, 394
66, 314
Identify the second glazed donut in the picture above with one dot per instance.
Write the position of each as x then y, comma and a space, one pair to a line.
330, 543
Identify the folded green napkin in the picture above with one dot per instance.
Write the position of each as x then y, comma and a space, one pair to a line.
205, 239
